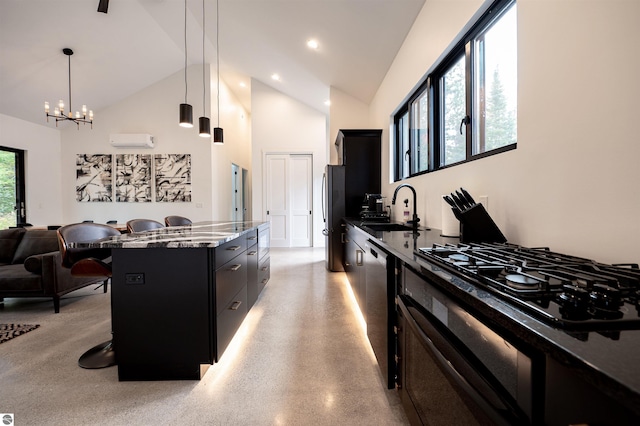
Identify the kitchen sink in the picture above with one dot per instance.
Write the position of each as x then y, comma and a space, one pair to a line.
387, 227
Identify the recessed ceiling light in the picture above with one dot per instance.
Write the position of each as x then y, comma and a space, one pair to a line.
327, 102
275, 77
312, 44
242, 84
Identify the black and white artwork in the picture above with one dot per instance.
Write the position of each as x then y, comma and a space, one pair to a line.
173, 177
93, 178
133, 178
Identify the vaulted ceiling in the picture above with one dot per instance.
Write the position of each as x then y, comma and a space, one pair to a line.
139, 42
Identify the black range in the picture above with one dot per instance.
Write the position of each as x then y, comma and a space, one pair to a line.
567, 292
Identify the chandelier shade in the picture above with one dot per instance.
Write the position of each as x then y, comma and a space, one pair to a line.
59, 110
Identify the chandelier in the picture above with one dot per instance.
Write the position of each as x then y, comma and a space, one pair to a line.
59, 110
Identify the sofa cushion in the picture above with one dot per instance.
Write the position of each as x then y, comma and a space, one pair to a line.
9, 239
35, 242
13, 278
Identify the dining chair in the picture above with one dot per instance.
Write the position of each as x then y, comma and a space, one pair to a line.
140, 225
176, 221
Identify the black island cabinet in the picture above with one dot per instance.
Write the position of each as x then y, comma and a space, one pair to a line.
177, 305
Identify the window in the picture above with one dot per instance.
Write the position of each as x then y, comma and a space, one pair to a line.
466, 108
495, 54
453, 97
420, 132
12, 187
402, 141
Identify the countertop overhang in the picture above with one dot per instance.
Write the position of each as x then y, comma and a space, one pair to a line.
196, 235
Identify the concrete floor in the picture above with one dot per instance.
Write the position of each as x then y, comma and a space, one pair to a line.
301, 357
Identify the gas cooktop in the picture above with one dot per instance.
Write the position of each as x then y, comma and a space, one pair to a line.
566, 291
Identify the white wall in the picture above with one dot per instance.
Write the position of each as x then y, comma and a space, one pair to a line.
154, 110
42, 158
346, 112
572, 182
281, 124
236, 123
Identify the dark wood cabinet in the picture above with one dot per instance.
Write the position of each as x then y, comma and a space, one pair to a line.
359, 150
354, 264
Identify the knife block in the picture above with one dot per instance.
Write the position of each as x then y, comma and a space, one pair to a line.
476, 226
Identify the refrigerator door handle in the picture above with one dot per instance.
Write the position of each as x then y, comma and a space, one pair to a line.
324, 193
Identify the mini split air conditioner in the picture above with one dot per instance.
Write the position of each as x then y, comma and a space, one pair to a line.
131, 140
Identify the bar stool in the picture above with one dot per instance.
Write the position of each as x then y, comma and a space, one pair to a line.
89, 262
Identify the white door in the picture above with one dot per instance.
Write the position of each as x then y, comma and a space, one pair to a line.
288, 195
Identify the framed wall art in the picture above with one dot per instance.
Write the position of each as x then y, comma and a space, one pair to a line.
173, 177
94, 178
133, 178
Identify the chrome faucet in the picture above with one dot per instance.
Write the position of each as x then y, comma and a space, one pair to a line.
416, 219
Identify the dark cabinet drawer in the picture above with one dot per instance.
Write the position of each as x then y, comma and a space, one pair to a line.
227, 251
230, 278
264, 273
263, 242
252, 238
229, 320
252, 276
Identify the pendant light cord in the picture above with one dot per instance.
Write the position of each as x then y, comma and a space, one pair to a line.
218, 58
185, 51
204, 101
70, 110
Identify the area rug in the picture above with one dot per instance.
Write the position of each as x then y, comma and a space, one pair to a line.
9, 331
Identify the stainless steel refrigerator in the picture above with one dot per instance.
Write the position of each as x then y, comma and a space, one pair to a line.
333, 210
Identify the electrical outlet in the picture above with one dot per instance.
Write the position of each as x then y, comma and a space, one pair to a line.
134, 279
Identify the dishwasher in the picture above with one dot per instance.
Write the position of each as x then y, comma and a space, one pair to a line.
380, 307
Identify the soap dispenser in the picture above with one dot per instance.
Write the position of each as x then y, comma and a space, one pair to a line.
406, 214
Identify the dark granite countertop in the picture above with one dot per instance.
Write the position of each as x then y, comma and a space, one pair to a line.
196, 235
612, 365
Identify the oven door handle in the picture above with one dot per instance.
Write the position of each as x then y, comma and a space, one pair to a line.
487, 393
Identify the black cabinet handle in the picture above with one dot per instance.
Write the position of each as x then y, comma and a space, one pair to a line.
236, 305
253, 237
264, 268
235, 267
233, 248
252, 253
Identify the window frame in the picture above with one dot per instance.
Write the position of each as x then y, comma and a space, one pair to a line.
20, 176
431, 83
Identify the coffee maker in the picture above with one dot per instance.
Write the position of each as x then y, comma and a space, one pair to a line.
373, 209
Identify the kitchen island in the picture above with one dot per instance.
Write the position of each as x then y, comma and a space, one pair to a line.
180, 293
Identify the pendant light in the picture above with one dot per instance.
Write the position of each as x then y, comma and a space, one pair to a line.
218, 138
204, 124
186, 110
